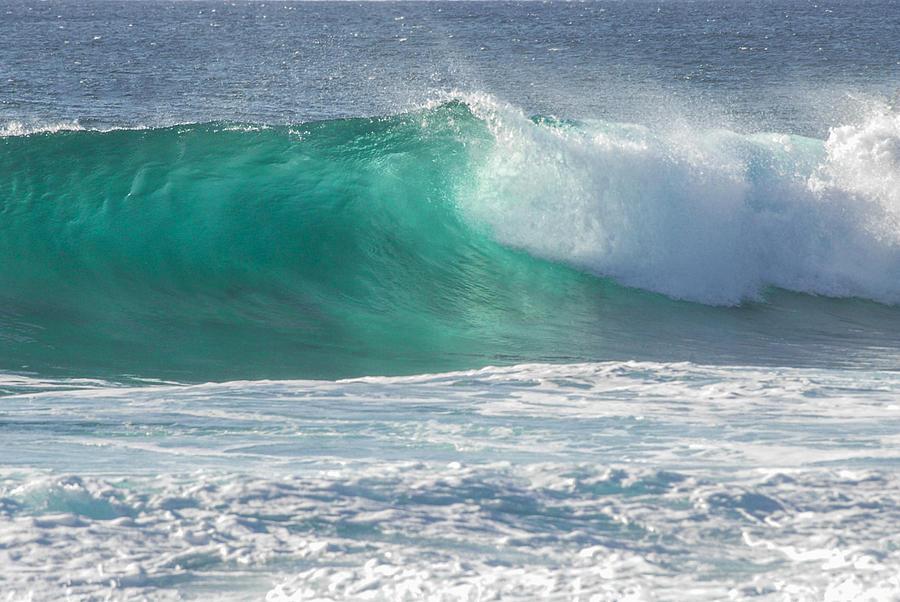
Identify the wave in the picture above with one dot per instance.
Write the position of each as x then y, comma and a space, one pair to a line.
421, 242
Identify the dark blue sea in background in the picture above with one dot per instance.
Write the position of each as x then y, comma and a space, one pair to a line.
792, 67
449, 300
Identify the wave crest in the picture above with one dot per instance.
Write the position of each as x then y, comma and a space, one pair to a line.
704, 215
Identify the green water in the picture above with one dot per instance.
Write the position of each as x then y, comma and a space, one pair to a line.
324, 250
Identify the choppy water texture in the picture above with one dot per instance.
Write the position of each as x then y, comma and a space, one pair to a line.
490, 300
601, 481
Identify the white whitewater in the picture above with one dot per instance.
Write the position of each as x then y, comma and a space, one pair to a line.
604, 481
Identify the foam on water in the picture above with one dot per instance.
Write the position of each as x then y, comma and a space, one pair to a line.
606, 481
17, 128
705, 215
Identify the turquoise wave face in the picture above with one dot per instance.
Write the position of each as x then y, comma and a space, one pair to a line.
327, 250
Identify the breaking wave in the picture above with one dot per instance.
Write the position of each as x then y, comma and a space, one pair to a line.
457, 235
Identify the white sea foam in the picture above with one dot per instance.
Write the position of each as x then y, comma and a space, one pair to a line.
18, 128
406, 530
604, 481
704, 215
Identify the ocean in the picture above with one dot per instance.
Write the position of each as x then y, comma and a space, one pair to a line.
450, 300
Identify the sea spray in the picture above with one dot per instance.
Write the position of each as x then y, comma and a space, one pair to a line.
705, 215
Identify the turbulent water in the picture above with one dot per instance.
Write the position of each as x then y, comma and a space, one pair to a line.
451, 301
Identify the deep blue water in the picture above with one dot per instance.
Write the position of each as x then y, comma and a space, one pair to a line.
798, 67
